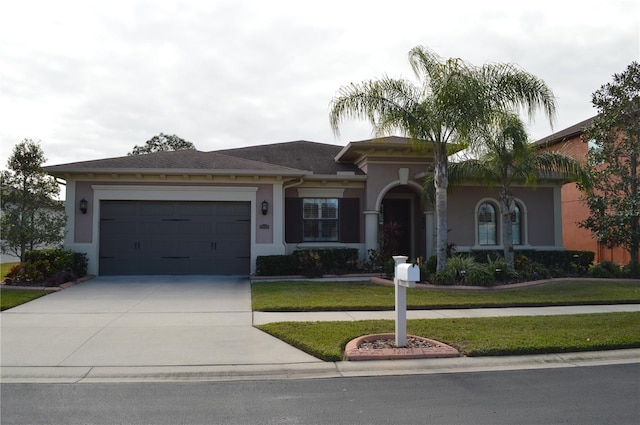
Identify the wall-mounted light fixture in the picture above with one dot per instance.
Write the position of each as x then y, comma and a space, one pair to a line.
265, 207
83, 206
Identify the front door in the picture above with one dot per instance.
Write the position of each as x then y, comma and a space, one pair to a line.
399, 211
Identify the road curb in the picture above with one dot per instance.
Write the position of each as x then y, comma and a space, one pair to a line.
313, 370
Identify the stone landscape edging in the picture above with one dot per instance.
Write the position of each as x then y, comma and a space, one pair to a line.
51, 288
438, 349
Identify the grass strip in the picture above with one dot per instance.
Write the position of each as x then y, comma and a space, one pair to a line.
338, 296
10, 298
491, 336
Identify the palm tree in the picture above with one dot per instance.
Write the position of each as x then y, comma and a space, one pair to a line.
452, 100
509, 159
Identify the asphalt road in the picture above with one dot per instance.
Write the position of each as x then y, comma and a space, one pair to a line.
577, 395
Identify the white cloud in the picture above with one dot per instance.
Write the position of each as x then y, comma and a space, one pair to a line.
93, 79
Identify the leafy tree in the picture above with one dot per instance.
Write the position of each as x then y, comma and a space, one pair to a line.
614, 203
160, 143
452, 100
507, 159
31, 215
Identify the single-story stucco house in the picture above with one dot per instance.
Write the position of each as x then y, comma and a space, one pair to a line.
192, 212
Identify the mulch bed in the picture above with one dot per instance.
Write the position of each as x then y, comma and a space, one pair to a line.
383, 347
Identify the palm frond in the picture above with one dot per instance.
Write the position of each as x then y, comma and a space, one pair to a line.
511, 88
384, 103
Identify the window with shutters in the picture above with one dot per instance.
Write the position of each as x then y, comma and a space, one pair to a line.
320, 219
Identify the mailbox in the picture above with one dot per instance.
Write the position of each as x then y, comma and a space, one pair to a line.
408, 272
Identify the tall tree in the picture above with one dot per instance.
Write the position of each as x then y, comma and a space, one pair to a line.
615, 201
32, 216
508, 159
160, 143
451, 101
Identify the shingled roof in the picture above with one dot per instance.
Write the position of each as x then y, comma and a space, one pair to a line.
303, 155
567, 133
182, 160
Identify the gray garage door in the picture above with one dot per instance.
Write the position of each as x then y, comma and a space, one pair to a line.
160, 237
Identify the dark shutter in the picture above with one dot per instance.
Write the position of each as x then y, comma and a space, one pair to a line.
349, 211
292, 220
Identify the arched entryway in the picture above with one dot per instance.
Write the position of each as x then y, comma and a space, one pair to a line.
402, 218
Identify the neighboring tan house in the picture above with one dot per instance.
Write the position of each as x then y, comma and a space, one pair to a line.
192, 212
569, 142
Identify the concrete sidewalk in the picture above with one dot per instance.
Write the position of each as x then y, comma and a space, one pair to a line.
260, 317
156, 328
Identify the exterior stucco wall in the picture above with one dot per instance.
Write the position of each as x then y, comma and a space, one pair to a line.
83, 223
382, 176
538, 206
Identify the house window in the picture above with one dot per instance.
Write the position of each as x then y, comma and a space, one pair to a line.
594, 148
486, 224
320, 219
516, 226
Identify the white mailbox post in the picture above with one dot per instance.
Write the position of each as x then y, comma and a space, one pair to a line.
405, 276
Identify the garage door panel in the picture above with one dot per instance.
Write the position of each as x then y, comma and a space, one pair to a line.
170, 237
121, 265
155, 209
119, 208
155, 228
116, 228
118, 247
230, 230
191, 228
194, 209
235, 210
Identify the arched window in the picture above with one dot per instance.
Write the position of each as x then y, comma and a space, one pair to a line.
487, 224
516, 226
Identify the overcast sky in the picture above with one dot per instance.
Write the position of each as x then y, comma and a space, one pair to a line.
91, 79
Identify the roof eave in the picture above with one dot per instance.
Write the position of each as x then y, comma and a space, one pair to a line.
173, 171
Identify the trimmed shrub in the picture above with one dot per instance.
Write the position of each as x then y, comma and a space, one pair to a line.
605, 269
50, 267
276, 265
339, 261
311, 263
334, 261
59, 260
560, 263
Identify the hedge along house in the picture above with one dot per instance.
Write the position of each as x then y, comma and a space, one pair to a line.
192, 212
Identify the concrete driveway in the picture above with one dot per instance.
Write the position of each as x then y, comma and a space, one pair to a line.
142, 322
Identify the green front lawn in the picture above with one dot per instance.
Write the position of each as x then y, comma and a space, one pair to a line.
336, 296
477, 336
10, 298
